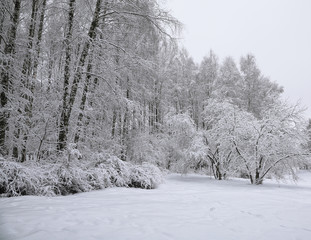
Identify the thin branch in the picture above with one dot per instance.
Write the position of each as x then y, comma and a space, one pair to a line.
281, 159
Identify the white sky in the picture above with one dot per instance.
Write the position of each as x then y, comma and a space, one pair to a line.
277, 32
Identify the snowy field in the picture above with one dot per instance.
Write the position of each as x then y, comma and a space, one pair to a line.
185, 207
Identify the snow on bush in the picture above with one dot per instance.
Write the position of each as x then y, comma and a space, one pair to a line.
121, 173
146, 176
116, 170
181, 132
16, 179
72, 179
63, 178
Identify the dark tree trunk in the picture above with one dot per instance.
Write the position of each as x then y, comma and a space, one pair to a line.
66, 112
125, 129
2, 17
87, 84
218, 172
27, 61
251, 179
258, 178
151, 117
40, 31
84, 54
83, 101
64, 120
6, 75
114, 121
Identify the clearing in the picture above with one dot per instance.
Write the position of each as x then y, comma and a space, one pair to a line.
185, 207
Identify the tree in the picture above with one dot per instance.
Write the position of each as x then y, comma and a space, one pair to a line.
273, 145
229, 81
107, 76
181, 85
7, 75
257, 92
207, 78
67, 106
181, 132
64, 121
239, 142
208, 73
220, 117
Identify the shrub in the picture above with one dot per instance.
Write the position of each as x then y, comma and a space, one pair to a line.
17, 179
117, 170
146, 176
63, 178
71, 179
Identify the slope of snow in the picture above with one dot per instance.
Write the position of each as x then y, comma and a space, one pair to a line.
185, 207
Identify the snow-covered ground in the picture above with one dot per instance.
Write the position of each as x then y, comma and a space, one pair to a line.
185, 207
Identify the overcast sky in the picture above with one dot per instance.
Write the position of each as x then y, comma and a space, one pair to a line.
277, 32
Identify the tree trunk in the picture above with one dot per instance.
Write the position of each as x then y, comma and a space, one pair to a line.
86, 85
251, 178
114, 121
40, 31
218, 172
126, 121
64, 120
28, 83
83, 101
66, 112
51, 64
32, 27
258, 178
1, 26
6, 76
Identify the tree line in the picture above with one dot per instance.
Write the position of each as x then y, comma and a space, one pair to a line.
108, 76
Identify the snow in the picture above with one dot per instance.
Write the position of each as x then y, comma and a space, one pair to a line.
185, 207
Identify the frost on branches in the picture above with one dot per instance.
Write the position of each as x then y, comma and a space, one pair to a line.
110, 99
64, 176
257, 148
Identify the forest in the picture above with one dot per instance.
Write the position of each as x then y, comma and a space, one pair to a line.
99, 93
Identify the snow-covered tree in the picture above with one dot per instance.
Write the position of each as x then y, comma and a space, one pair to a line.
222, 120
257, 93
238, 142
208, 73
180, 130
229, 81
274, 145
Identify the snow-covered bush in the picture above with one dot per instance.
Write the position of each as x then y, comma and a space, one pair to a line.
63, 178
146, 176
16, 179
71, 179
186, 149
117, 170
123, 174
196, 155
181, 132
181, 129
